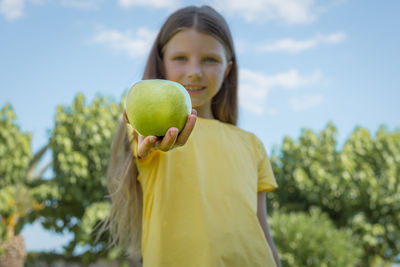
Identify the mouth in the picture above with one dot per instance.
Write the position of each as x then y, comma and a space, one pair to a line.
194, 89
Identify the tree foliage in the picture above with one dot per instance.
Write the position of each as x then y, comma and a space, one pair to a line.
357, 186
311, 239
15, 148
17, 165
15, 154
80, 142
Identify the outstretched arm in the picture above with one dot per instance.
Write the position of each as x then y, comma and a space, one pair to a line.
262, 217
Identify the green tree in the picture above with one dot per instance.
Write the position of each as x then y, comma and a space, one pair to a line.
311, 239
15, 148
80, 142
18, 167
357, 186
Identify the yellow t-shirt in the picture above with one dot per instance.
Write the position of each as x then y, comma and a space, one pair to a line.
200, 200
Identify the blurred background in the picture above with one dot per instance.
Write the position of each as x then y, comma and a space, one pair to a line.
319, 84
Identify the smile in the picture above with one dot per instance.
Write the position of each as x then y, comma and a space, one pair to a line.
195, 89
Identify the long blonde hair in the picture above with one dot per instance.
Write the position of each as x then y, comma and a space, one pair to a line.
125, 219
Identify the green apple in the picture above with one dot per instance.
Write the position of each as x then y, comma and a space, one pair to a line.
154, 106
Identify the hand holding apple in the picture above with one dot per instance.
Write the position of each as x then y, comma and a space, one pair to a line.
159, 108
171, 139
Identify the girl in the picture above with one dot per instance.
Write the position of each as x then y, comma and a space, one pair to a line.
196, 198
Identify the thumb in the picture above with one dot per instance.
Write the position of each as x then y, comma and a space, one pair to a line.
145, 144
125, 116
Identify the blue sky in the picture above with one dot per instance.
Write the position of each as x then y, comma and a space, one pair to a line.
302, 63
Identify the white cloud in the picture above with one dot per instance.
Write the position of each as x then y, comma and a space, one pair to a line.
295, 46
12, 9
170, 4
135, 45
288, 11
255, 87
305, 102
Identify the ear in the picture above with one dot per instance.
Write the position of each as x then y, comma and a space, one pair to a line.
228, 69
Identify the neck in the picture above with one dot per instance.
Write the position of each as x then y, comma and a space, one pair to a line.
204, 112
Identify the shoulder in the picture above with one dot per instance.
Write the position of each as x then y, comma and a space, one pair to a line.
248, 137
239, 131
229, 132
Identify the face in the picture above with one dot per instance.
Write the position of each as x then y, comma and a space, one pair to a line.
197, 61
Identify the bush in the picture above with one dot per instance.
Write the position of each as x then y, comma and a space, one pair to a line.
311, 239
358, 185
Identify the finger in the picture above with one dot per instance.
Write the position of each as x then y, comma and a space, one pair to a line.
140, 138
187, 130
168, 140
145, 145
125, 116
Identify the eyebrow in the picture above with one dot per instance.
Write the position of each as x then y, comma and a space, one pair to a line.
212, 54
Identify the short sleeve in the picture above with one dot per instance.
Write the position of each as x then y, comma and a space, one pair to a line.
266, 179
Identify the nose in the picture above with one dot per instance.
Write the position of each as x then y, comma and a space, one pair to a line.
194, 70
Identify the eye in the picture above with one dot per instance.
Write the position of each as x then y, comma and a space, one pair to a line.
211, 60
179, 58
